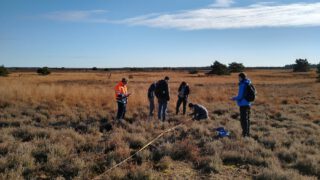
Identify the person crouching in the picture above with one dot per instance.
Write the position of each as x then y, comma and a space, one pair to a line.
199, 112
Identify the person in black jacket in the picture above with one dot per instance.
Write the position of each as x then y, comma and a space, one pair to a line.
199, 112
162, 93
151, 91
183, 94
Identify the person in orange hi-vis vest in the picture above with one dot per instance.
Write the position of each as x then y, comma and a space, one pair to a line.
121, 94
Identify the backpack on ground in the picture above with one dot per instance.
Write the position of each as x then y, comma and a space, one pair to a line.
250, 93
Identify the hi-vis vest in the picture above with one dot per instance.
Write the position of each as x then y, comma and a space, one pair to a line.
121, 92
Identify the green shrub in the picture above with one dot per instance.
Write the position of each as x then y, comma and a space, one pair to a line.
302, 65
236, 67
218, 68
43, 71
193, 71
3, 71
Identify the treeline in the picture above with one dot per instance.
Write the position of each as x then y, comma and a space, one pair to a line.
217, 68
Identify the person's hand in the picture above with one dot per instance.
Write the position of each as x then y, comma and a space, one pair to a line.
129, 94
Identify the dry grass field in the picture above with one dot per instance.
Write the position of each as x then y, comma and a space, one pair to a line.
61, 127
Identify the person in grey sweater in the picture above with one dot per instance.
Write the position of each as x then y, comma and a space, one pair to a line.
199, 111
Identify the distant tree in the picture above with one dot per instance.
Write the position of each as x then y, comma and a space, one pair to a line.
289, 66
302, 65
193, 71
218, 68
236, 67
134, 69
318, 71
94, 68
43, 71
3, 71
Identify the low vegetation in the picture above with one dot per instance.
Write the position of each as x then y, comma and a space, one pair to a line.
3, 71
301, 65
236, 67
43, 71
62, 127
318, 72
218, 68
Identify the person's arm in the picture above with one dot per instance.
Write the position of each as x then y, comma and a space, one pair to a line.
240, 92
179, 89
168, 92
187, 91
150, 91
192, 114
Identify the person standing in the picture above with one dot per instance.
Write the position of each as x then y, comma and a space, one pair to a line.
183, 93
244, 104
162, 94
151, 91
121, 94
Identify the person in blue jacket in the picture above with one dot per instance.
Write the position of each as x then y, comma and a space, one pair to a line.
244, 104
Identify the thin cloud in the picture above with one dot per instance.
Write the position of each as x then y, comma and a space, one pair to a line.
289, 15
222, 3
77, 16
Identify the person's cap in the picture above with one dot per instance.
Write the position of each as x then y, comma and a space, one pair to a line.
166, 78
242, 75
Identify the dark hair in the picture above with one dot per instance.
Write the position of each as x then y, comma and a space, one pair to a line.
124, 80
183, 83
243, 75
190, 105
166, 78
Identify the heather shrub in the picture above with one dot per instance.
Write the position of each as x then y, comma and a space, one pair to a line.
209, 164
308, 166
185, 150
277, 174
164, 164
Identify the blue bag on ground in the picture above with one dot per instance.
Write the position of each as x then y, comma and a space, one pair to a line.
221, 132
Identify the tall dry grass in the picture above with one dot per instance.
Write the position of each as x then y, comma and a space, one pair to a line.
61, 126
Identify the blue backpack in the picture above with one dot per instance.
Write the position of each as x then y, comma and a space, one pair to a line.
221, 132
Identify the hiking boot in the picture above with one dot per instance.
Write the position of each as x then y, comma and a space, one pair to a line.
121, 121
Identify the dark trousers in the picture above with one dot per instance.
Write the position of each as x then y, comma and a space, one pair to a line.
245, 120
162, 110
151, 106
179, 102
199, 117
122, 108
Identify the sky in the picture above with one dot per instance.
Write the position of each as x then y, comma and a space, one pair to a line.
157, 33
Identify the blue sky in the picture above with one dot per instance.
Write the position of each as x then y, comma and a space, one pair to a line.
161, 33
